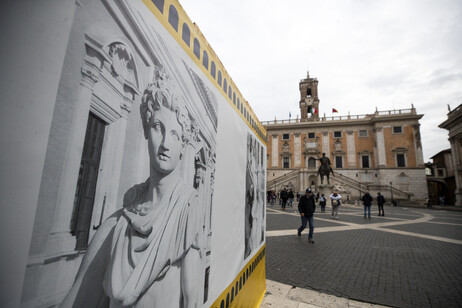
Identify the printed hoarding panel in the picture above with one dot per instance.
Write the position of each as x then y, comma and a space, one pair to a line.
153, 190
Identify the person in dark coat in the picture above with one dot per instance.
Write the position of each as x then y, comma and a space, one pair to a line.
306, 207
367, 200
284, 197
380, 202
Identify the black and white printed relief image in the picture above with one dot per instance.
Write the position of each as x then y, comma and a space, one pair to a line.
124, 213
154, 249
254, 195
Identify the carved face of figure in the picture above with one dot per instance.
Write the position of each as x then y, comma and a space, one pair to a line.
164, 141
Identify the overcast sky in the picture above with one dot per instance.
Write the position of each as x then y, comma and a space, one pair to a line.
365, 54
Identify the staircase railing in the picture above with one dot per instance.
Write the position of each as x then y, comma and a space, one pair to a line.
282, 178
367, 186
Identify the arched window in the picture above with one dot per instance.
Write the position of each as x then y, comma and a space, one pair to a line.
230, 92
219, 78
225, 85
159, 4
245, 113
234, 98
173, 17
238, 104
213, 69
186, 35
205, 59
197, 48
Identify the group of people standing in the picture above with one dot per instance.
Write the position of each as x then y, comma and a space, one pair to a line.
307, 207
367, 201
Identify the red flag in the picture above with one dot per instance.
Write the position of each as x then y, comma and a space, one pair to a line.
334, 110
315, 111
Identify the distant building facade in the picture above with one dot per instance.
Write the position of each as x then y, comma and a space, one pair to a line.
454, 126
381, 151
440, 178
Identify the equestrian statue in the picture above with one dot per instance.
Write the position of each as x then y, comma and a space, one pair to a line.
325, 169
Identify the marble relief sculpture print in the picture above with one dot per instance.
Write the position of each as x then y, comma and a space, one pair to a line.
151, 252
254, 196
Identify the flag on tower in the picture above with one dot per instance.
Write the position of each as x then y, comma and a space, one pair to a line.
289, 115
334, 110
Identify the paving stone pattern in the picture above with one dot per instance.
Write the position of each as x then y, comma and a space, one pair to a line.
372, 265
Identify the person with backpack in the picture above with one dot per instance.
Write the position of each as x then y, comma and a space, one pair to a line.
367, 201
322, 203
380, 202
335, 201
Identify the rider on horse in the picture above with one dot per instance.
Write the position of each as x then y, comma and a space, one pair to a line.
325, 169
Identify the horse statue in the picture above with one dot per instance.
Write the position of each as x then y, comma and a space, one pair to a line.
325, 169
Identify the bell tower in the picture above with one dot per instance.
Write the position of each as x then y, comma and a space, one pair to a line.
309, 101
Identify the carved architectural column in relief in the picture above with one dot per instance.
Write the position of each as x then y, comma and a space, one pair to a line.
274, 151
380, 147
351, 146
418, 146
325, 143
297, 150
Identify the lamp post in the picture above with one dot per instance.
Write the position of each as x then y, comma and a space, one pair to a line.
391, 190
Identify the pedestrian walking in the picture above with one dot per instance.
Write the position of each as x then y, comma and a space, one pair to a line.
322, 203
306, 207
335, 202
290, 196
367, 201
284, 196
380, 202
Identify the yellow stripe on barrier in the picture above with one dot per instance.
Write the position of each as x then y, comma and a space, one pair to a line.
248, 288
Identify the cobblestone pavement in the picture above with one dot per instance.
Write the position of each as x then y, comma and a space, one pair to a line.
412, 257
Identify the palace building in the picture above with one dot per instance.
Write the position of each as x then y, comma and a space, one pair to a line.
379, 152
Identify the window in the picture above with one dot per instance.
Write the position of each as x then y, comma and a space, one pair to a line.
285, 162
245, 113
159, 4
400, 160
87, 180
234, 98
213, 69
311, 135
285, 137
230, 92
219, 78
311, 162
225, 85
186, 34
308, 92
338, 134
205, 59
440, 173
397, 130
238, 104
173, 17
197, 48
428, 171
365, 161
338, 162
363, 133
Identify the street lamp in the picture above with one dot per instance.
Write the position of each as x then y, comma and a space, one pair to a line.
391, 190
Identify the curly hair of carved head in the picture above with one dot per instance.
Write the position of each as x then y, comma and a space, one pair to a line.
160, 92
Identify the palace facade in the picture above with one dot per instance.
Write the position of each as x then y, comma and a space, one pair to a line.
379, 152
